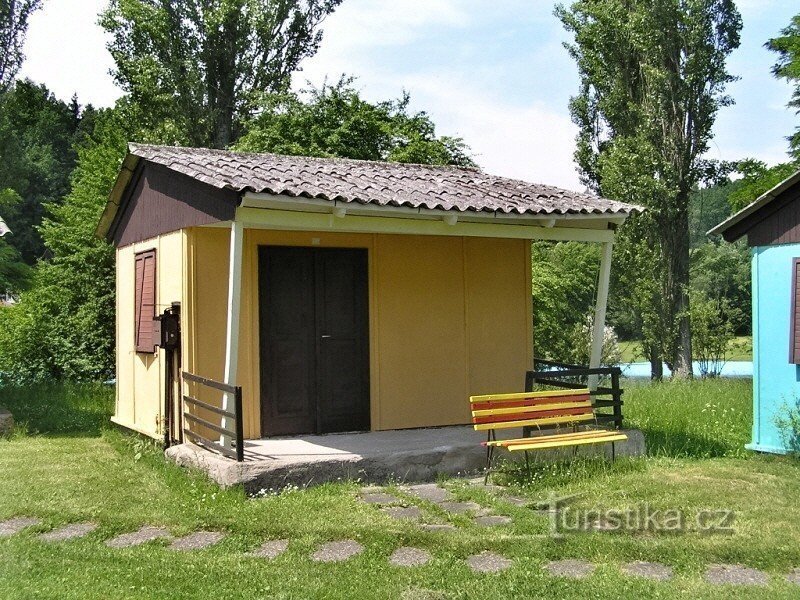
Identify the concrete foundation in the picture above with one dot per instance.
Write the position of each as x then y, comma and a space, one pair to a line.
375, 457
6, 421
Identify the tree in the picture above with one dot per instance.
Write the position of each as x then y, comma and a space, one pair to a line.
196, 67
563, 283
652, 76
14, 16
333, 121
757, 178
37, 135
63, 327
787, 46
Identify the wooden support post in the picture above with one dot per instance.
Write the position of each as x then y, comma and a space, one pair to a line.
600, 312
232, 331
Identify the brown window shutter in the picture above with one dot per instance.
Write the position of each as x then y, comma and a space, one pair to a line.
794, 317
145, 300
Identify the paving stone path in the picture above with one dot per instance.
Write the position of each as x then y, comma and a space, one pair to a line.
409, 557
136, 538
378, 498
404, 513
17, 524
648, 570
488, 562
735, 575
69, 532
197, 541
271, 549
492, 520
429, 491
406, 556
574, 569
337, 551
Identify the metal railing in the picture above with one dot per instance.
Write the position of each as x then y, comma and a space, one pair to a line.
568, 376
233, 449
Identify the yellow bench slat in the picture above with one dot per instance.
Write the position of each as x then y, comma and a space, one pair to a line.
490, 412
620, 437
534, 422
524, 395
586, 433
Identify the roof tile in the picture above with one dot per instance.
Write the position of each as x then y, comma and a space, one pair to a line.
381, 183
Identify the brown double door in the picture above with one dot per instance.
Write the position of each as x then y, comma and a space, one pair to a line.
314, 340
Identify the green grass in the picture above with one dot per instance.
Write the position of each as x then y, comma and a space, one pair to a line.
695, 432
739, 348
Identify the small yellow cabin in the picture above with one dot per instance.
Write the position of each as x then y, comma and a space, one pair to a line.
339, 295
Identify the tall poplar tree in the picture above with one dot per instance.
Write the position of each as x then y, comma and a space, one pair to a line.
652, 77
14, 16
787, 46
197, 67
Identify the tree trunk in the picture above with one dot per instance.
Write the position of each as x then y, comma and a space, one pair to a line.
656, 368
675, 236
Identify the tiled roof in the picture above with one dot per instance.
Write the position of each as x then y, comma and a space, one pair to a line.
381, 183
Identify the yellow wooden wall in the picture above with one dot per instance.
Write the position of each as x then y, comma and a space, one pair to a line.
140, 377
449, 317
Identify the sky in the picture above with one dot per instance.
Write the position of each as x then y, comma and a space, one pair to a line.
494, 73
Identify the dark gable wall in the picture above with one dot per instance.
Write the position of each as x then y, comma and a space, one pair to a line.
160, 200
776, 223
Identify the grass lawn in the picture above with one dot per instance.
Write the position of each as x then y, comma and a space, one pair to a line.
739, 348
67, 467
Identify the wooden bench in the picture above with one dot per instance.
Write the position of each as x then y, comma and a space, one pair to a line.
559, 415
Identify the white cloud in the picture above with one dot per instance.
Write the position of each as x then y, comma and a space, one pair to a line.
66, 50
521, 140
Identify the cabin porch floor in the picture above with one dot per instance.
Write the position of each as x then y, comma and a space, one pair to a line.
375, 457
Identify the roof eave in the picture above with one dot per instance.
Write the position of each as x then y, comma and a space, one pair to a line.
115, 198
752, 208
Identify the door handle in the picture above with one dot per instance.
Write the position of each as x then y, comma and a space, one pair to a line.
325, 337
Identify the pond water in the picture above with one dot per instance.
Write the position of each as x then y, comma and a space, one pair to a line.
732, 368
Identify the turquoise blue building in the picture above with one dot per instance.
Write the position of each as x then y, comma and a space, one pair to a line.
771, 225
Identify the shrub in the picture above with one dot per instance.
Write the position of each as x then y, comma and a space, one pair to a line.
788, 423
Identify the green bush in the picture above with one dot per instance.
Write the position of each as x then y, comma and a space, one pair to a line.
788, 423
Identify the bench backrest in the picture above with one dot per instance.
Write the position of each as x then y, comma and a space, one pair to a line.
531, 409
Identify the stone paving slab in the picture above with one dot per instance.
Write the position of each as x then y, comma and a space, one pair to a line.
136, 538
461, 507
404, 513
271, 549
429, 491
488, 562
735, 575
378, 498
197, 540
17, 524
648, 570
574, 569
492, 520
794, 576
69, 532
337, 551
409, 557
